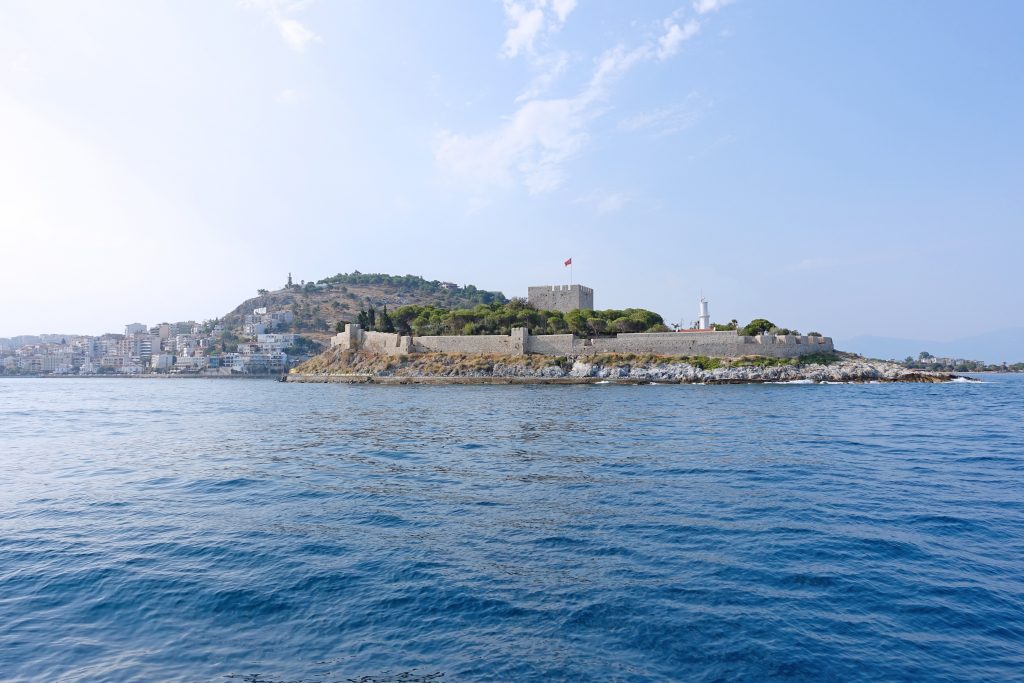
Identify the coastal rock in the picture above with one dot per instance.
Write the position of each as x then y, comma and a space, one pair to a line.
841, 368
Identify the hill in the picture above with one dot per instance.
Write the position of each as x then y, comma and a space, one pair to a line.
319, 306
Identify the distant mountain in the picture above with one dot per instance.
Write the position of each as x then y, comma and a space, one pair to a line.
319, 306
1000, 346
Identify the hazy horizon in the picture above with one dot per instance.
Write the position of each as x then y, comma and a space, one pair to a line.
852, 169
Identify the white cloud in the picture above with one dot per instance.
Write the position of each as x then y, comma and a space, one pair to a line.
562, 8
707, 6
528, 22
533, 145
539, 138
612, 65
552, 67
674, 37
295, 34
604, 202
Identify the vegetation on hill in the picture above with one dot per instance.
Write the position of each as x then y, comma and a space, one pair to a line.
499, 318
319, 306
466, 294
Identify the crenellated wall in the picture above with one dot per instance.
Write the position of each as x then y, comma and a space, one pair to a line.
713, 344
564, 298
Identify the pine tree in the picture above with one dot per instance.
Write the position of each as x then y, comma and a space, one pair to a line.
386, 324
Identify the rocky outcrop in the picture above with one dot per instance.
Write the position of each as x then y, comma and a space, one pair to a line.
468, 368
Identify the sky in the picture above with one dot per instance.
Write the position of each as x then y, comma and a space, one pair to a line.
847, 168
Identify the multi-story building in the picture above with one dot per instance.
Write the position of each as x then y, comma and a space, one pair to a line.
190, 363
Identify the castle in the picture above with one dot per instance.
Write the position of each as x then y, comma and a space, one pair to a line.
563, 298
698, 342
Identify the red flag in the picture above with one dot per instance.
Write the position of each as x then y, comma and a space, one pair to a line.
568, 261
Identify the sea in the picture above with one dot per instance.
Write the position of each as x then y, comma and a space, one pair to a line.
266, 532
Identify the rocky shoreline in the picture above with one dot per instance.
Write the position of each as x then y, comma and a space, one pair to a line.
436, 368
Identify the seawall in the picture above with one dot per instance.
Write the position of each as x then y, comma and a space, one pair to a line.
728, 344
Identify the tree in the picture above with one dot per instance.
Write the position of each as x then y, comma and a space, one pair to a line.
757, 326
924, 355
262, 292
577, 322
597, 325
386, 324
339, 326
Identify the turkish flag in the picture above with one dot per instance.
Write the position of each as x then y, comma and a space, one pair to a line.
568, 261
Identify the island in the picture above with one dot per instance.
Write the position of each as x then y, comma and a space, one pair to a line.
556, 337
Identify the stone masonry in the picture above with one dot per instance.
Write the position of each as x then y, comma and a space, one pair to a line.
562, 298
729, 344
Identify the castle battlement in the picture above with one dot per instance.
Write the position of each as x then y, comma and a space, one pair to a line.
562, 298
725, 344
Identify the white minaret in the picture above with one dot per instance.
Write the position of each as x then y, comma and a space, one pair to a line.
704, 320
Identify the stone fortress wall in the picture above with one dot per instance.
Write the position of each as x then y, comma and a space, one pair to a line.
728, 344
562, 298
567, 298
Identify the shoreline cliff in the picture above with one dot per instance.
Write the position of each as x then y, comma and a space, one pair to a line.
344, 366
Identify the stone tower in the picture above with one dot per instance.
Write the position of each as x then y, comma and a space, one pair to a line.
562, 298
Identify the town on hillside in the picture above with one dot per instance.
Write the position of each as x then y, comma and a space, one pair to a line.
265, 335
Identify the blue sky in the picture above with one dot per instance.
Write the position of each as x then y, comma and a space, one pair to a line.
851, 168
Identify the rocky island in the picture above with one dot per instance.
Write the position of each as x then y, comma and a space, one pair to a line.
556, 337
347, 366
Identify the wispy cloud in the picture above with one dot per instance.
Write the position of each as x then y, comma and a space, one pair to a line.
675, 36
534, 143
295, 34
529, 20
708, 6
670, 119
551, 69
604, 202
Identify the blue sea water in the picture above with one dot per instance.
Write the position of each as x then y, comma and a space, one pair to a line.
215, 530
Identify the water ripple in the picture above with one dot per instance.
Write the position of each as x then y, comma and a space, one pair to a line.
266, 532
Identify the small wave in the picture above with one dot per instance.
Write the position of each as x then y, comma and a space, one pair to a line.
604, 381
794, 381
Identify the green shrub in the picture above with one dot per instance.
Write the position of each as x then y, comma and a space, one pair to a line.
757, 326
